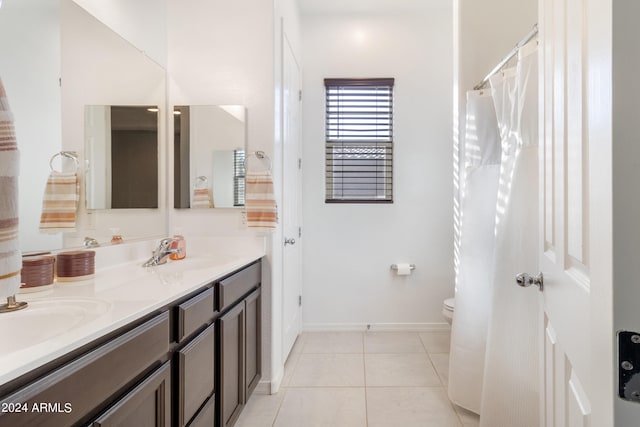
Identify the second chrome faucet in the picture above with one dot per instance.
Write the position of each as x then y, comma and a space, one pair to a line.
162, 252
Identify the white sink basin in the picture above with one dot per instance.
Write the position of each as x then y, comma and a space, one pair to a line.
44, 319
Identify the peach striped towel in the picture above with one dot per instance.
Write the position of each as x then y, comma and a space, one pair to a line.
202, 198
260, 202
60, 202
10, 257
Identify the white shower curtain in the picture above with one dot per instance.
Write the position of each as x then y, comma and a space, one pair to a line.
511, 377
473, 278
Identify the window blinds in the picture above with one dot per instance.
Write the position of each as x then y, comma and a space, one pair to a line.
238, 177
359, 140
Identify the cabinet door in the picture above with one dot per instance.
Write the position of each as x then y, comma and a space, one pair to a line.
231, 392
147, 405
206, 417
195, 374
253, 368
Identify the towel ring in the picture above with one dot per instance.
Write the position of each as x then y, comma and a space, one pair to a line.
201, 182
69, 155
259, 155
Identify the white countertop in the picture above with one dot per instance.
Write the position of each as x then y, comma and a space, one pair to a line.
116, 296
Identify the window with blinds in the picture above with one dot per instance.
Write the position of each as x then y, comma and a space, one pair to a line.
238, 177
359, 140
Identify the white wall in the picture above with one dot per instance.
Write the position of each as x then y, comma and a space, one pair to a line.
488, 30
141, 22
30, 69
348, 248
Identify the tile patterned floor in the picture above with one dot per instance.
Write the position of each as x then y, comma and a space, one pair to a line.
368, 379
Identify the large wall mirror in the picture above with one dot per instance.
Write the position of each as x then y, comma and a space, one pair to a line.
68, 59
209, 156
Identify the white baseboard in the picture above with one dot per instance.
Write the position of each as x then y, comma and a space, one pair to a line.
376, 327
270, 387
263, 387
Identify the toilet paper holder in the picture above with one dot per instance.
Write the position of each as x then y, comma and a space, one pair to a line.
395, 266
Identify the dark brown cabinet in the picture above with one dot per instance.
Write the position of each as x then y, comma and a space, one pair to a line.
240, 358
147, 405
73, 393
207, 415
196, 374
194, 363
253, 342
231, 365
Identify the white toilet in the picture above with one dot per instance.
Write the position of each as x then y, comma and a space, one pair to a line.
447, 309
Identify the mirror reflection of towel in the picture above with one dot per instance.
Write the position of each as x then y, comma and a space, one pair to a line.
10, 257
202, 198
260, 202
60, 202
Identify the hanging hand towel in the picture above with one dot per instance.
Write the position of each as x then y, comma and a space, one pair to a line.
260, 202
10, 257
202, 198
60, 202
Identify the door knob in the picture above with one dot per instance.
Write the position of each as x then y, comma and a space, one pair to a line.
525, 280
289, 241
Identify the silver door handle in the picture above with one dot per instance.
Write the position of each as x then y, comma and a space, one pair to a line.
289, 241
525, 280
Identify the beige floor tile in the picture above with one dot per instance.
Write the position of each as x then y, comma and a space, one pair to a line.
468, 418
323, 407
410, 407
412, 369
333, 342
441, 363
436, 341
261, 410
328, 370
392, 342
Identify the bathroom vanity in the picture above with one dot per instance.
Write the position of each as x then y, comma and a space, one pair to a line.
188, 355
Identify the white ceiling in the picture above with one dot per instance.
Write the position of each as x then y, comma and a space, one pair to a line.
313, 7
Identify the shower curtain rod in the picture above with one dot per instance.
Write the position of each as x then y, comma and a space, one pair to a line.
506, 59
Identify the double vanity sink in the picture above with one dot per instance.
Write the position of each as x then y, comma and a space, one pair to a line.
45, 319
217, 296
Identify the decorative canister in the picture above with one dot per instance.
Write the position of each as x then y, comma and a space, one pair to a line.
75, 265
37, 273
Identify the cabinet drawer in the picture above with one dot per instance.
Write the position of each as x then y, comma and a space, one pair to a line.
148, 404
207, 416
196, 365
194, 313
92, 379
237, 285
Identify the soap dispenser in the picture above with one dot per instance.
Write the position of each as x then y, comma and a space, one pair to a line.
178, 243
116, 237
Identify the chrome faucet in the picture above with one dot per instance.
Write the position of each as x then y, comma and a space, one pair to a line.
162, 252
90, 242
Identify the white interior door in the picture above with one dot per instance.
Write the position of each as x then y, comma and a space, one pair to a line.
575, 202
291, 269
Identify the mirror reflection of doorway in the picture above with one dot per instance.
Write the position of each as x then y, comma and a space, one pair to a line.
134, 157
